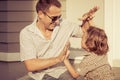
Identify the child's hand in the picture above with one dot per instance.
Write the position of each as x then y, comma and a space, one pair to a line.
66, 59
67, 54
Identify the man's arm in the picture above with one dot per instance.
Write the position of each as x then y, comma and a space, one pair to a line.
87, 17
40, 64
87, 21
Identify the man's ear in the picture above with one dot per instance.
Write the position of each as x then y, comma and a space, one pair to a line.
40, 14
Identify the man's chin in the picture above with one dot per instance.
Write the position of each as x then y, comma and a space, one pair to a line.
52, 26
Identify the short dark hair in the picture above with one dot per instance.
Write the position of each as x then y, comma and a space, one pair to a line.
97, 41
44, 5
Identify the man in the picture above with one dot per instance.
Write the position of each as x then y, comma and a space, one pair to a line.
43, 43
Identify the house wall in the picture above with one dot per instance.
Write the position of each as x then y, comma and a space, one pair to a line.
14, 15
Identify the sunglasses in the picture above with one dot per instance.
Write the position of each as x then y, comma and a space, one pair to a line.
53, 18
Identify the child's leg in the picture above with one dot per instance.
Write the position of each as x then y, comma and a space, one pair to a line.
66, 76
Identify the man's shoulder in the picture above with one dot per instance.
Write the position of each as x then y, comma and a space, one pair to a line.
26, 29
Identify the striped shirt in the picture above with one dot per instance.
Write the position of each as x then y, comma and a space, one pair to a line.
94, 67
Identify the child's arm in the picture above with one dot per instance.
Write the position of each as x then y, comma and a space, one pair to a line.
70, 68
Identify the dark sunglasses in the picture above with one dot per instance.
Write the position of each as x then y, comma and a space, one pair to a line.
53, 18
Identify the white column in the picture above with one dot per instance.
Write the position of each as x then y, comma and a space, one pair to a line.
112, 27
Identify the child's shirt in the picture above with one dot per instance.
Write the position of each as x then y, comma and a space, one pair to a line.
95, 67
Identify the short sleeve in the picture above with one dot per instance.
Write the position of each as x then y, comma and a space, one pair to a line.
27, 48
77, 32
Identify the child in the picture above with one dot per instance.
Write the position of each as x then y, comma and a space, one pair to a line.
95, 65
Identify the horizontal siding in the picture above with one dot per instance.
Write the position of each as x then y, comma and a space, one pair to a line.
13, 26
9, 37
17, 4
16, 16
11, 47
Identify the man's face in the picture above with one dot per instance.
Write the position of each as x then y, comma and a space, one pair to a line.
51, 18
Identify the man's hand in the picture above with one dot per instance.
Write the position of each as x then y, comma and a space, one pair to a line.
63, 54
90, 14
87, 17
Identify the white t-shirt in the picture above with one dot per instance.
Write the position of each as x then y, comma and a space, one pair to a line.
34, 45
